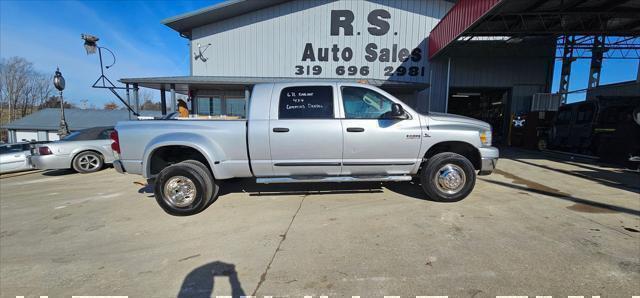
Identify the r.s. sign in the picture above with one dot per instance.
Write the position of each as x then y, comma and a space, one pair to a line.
314, 57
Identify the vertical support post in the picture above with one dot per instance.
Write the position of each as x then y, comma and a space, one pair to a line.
446, 103
174, 103
565, 72
247, 97
597, 54
223, 104
136, 97
128, 99
163, 101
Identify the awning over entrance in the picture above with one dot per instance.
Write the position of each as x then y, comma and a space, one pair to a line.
186, 84
519, 18
183, 84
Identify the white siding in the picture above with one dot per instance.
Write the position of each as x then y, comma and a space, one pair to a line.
270, 42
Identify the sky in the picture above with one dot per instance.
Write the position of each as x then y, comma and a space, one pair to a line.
47, 33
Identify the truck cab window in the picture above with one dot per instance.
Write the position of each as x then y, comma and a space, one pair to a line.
363, 103
306, 102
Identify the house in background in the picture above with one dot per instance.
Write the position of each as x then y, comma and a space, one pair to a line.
43, 125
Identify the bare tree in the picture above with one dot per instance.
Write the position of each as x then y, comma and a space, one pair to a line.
22, 89
112, 105
15, 74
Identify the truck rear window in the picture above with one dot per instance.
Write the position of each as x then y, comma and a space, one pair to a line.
306, 102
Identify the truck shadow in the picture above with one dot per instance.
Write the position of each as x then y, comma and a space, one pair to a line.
200, 282
249, 186
254, 189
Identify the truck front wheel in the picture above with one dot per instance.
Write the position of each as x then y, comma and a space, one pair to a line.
448, 177
183, 189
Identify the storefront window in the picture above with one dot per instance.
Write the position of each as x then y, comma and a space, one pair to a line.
209, 106
221, 107
236, 107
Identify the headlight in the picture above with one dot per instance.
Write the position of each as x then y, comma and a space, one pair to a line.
485, 137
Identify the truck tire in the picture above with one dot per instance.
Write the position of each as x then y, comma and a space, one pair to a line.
87, 162
448, 177
183, 189
215, 187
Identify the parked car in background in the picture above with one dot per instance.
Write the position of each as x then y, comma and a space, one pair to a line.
306, 132
15, 157
85, 151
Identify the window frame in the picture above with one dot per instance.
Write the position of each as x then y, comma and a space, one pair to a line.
334, 102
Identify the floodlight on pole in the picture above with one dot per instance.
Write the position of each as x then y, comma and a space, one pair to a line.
91, 45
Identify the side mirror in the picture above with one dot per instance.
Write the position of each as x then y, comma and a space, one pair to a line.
397, 112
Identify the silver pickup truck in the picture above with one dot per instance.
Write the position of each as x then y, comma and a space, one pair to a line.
306, 132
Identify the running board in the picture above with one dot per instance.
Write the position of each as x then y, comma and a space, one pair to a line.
300, 179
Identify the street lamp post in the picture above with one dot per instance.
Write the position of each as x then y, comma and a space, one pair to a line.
58, 82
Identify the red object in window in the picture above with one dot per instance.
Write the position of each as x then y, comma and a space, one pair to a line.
115, 146
44, 150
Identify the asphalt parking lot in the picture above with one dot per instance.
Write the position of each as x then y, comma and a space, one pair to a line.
537, 226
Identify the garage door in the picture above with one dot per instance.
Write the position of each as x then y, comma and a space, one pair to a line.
26, 136
53, 136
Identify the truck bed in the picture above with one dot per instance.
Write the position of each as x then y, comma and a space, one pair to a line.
223, 141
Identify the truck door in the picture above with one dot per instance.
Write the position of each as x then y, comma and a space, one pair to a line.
305, 135
373, 143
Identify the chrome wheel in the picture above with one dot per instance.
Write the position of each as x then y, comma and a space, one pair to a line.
180, 191
450, 179
89, 162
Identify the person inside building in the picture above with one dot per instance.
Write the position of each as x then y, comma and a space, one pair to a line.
183, 109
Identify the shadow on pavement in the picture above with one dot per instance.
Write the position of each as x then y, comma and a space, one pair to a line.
591, 206
59, 172
254, 189
18, 174
200, 282
249, 186
593, 170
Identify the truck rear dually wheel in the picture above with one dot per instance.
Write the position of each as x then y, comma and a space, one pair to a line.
215, 188
183, 189
448, 177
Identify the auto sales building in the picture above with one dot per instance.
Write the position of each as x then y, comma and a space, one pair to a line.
387, 43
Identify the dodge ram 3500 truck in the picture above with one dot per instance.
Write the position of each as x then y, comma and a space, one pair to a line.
306, 132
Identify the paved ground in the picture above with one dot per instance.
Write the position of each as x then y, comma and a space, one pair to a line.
536, 227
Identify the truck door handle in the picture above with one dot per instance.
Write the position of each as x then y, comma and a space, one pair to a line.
355, 129
280, 129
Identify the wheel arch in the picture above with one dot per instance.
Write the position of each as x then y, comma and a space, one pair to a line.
460, 147
163, 154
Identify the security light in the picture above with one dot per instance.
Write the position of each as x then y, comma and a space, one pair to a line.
90, 43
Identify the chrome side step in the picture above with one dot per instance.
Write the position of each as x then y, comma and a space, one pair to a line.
301, 179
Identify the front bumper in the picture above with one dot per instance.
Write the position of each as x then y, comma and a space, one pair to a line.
50, 162
489, 160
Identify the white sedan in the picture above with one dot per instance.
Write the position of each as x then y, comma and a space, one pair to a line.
15, 157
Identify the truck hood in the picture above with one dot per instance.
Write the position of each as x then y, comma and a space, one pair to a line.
459, 119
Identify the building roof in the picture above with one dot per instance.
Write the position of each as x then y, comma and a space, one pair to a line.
49, 119
184, 83
185, 22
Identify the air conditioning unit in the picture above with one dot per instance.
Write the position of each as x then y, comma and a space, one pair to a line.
545, 102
